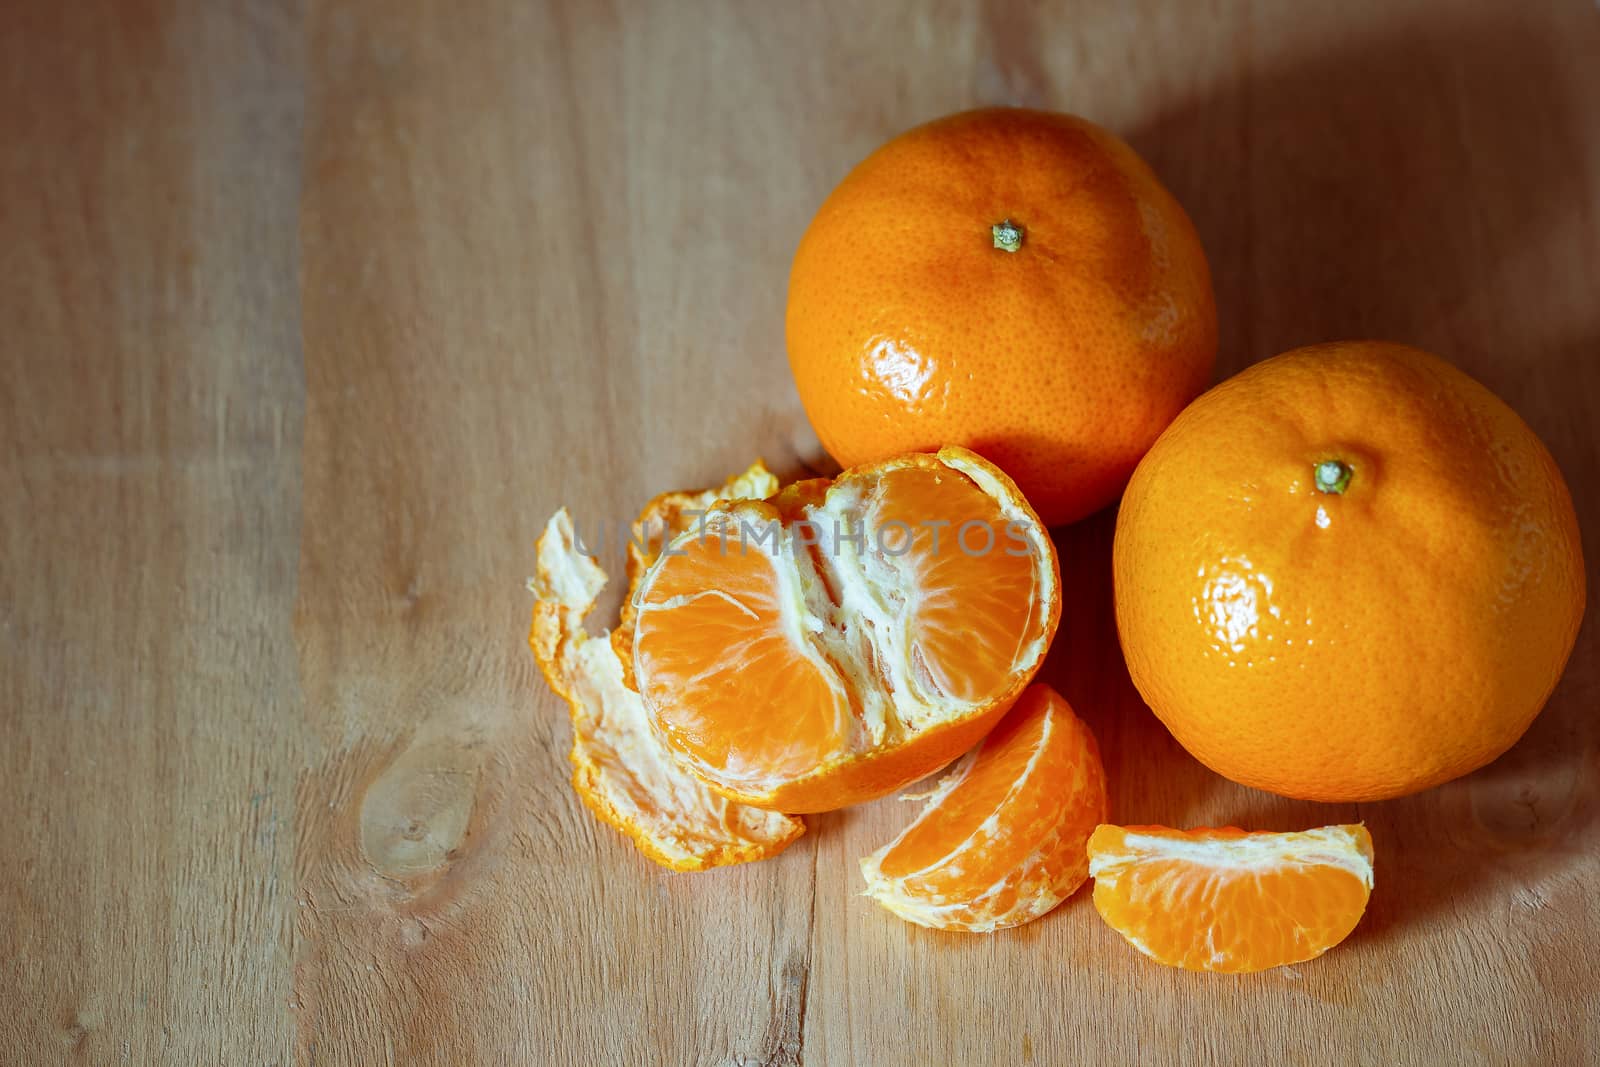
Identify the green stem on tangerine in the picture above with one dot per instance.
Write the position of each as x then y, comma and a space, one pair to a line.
1007, 235
1333, 476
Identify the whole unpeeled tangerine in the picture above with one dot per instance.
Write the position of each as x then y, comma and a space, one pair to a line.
1349, 573
1017, 282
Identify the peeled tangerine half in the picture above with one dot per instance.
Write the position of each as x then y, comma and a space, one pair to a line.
1003, 838
1230, 901
620, 768
843, 639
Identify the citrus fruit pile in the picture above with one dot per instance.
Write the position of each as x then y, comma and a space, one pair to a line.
1347, 574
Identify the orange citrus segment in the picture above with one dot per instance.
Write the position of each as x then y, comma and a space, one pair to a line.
976, 612
1230, 901
665, 517
764, 703
620, 768
843, 639
1002, 840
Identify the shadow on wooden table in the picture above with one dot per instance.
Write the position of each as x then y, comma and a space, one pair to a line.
1415, 187
1152, 779
1366, 193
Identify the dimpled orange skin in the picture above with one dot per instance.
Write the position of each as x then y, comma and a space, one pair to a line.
1060, 362
1354, 645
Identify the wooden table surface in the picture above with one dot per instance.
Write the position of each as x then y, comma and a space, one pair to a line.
313, 312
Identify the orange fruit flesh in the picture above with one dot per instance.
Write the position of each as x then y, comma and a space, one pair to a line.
844, 639
620, 768
1002, 839
1230, 901
665, 517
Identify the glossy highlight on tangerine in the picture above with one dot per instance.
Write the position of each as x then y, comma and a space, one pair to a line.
620, 768
801, 676
1349, 573
1018, 282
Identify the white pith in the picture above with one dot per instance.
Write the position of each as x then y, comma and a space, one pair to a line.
622, 764
1327, 846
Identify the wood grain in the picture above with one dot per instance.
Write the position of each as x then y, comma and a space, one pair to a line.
314, 312
150, 418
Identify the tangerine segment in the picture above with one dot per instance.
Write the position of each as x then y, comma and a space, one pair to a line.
1003, 838
843, 639
1230, 901
620, 768
665, 517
